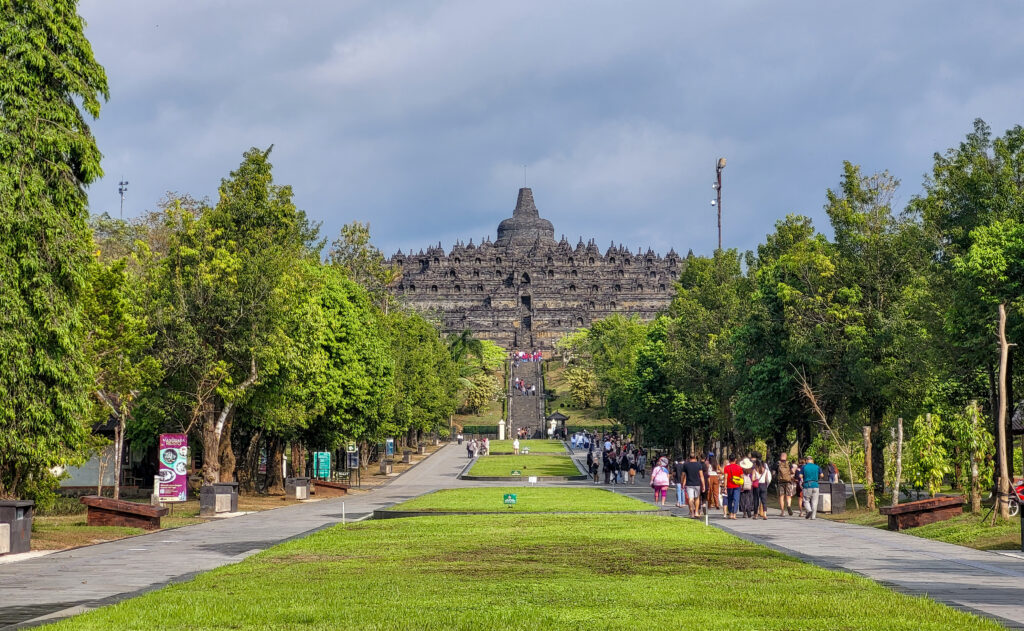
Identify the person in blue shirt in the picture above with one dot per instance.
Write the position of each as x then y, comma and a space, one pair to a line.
811, 473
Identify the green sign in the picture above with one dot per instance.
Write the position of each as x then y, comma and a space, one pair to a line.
351, 448
516, 472
322, 464
510, 499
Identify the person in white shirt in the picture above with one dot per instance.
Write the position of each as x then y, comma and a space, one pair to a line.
515, 446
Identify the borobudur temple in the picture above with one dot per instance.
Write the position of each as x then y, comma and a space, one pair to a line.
525, 290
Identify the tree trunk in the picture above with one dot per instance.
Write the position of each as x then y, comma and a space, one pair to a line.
118, 454
899, 462
275, 460
975, 491
298, 460
877, 477
1004, 469
211, 445
102, 466
226, 455
869, 483
993, 406
250, 465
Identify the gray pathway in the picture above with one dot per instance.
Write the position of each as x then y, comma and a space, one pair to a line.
987, 583
69, 582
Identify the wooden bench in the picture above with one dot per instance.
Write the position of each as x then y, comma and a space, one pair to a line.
338, 486
921, 512
104, 511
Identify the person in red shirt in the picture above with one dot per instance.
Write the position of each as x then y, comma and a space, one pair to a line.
733, 484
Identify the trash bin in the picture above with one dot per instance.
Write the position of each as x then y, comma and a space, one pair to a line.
824, 497
421, 449
219, 497
838, 497
297, 488
16, 526
385, 466
407, 456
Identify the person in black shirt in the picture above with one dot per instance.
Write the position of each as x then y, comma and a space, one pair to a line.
695, 482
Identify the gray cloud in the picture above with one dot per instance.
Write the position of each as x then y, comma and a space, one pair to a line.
417, 116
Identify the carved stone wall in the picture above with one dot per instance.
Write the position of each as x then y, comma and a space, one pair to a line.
525, 290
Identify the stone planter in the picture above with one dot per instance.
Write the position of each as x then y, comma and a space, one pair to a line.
421, 449
386, 467
220, 497
407, 456
16, 526
297, 488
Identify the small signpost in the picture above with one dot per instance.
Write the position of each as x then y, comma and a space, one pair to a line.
172, 481
351, 447
526, 450
516, 472
510, 499
532, 479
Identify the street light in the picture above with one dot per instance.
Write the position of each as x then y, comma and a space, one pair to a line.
718, 202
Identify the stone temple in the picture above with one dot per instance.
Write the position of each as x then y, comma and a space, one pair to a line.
525, 290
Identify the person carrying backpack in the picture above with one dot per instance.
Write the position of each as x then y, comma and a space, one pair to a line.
659, 481
734, 485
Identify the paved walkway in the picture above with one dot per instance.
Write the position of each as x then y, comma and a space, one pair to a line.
69, 582
987, 583
73, 581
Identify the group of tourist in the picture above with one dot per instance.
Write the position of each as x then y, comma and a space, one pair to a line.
478, 447
523, 387
580, 440
522, 356
699, 487
621, 461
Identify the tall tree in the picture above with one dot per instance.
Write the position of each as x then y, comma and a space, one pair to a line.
49, 83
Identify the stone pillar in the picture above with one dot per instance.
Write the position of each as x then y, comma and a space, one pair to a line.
501, 429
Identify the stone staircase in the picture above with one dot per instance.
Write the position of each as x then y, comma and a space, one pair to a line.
525, 410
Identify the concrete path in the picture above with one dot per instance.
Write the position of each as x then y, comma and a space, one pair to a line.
987, 583
73, 581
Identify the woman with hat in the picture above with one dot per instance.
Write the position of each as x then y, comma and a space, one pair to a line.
659, 481
747, 491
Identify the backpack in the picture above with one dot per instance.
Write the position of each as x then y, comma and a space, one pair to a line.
659, 477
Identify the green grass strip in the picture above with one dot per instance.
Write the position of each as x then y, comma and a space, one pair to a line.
535, 446
528, 500
500, 572
528, 465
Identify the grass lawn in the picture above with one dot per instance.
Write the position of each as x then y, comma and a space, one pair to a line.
529, 465
490, 414
536, 446
966, 530
524, 571
529, 499
590, 417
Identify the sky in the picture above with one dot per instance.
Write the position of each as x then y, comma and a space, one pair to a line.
418, 117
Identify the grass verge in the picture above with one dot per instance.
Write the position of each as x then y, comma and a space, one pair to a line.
529, 499
964, 530
502, 572
528, 465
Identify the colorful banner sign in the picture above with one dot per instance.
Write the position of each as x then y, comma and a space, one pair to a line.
173, 476
389, 447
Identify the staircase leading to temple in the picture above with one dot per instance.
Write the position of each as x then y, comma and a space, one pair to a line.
525, 410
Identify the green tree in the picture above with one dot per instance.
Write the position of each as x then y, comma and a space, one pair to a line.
221, 301
353, 252
49, 83
120, 346
582, 385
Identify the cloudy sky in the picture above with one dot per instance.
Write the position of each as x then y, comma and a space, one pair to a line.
419, 116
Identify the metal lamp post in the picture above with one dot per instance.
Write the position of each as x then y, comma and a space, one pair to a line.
718, 196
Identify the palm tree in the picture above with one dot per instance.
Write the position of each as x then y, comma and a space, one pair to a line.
463, 346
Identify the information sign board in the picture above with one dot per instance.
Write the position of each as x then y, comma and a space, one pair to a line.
353, 460
510, 499
389, 447
516, 472
351, 447
322, 464
173, 475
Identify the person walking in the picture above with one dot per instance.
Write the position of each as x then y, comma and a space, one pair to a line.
659, 481
678, 479
515, 446
786, 486
747, 488
733, 486
695, 482
811, 474
641, 462
764, 478
714, 475
624, 466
